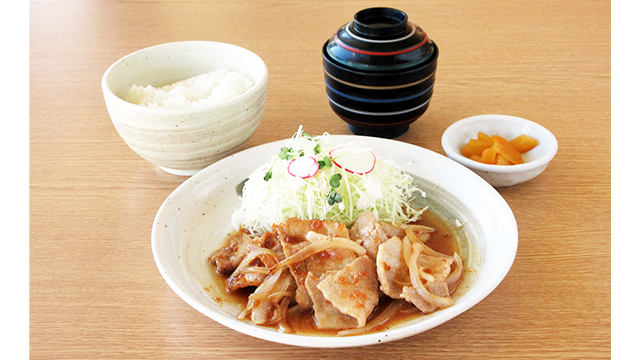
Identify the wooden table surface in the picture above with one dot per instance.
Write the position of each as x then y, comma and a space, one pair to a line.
95, 291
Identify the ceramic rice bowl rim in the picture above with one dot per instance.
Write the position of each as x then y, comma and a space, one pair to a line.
472, 164
260, 83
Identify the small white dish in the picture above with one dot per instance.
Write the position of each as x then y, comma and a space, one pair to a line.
509, 127
195, 220
185, 141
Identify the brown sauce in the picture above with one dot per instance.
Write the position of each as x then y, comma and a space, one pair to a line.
442, 240
301, 321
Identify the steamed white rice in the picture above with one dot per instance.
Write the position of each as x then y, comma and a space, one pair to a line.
206, 89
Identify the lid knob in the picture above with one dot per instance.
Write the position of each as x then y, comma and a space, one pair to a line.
380, 22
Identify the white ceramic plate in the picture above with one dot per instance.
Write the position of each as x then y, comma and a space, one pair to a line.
196, 218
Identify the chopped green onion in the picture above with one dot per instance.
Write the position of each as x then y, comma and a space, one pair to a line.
334, 197
326, 162
335, 181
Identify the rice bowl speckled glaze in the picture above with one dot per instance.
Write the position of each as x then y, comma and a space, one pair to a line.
379, 72
184, 141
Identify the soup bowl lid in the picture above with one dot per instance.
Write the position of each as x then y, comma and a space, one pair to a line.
380, 39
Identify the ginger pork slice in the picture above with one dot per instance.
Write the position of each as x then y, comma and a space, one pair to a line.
326, 315
261, 254
354, 289
293, 237
367, 232
227, 259
393, 273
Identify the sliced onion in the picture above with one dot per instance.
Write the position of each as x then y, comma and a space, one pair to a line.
261, 293
322, 245
283, 325
416, 281
412, 236
276, 296
269, 254
453, 280
421, 228
426, 276
429, 251
260, 252
420, 233
406, 250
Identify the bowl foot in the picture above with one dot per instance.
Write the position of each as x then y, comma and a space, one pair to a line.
179, 172
388, 133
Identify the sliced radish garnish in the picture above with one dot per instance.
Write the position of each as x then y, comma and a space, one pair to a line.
354, 160
303, 167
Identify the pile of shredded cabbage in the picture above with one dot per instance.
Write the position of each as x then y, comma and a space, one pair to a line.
272, 195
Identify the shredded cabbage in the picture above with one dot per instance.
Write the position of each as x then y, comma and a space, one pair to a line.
271, 195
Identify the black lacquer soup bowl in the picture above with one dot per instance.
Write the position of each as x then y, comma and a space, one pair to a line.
379, 72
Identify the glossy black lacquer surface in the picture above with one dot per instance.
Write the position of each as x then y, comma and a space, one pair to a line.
379, 72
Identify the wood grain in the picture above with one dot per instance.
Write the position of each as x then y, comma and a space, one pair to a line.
95, 291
